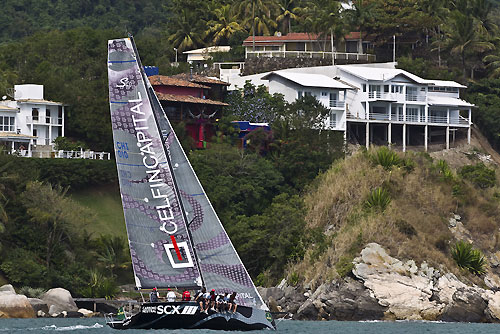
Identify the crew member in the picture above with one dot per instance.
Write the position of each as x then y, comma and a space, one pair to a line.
153, 296
232, 302
186, 296
170, 296
199, 297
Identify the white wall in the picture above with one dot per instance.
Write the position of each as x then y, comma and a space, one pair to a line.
23, 92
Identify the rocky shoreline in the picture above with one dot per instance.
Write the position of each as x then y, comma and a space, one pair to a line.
57, 303
385, 288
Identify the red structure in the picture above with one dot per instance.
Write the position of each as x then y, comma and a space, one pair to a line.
185, 98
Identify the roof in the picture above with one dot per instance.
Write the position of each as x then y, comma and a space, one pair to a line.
309, 80
39, 101
373, 73
200, 79
209, 49
294, 37
445, 83
162, 80
7, 108
447, 101
9, 135
188, 99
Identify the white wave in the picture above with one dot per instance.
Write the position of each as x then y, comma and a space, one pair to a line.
71, 328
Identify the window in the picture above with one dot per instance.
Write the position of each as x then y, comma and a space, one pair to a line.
411, 90
299, 94
333, 120
34, 114
364, 87
308, 94
47, 116
324, 94
333, 99
397, 89
412, 114
386, 88
7, 123
34, 132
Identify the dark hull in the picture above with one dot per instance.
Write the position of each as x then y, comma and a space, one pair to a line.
187, 315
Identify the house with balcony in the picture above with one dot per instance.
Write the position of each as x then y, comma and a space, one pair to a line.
351, 48
330, 92
29, 121
377, 103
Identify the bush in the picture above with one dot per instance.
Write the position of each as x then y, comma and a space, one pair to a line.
444, 170
344, 266
480, 175
405, 228
386, 158
378, 199
21, 268
31, 292
468, 258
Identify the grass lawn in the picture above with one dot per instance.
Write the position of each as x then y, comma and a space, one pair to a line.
105, 202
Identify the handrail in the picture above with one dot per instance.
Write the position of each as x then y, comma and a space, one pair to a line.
311, 54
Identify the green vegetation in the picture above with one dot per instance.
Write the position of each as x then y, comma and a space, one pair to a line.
378, 199
468, 258
480, 175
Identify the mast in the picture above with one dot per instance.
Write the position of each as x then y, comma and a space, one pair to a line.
152, 96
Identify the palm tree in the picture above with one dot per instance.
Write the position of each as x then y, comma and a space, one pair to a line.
260, 12
186, 35
463, 39
225, 24
288, 10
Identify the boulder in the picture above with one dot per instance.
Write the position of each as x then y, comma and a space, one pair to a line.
41, 314
7, 289
493, 309
74, 314
467, 306
59, 300
401, 287
15, 306
86, 313
38, 305
307, 311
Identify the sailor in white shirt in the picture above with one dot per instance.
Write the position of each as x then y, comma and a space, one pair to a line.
170, 296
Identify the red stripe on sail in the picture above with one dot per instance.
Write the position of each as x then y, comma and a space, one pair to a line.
177, 250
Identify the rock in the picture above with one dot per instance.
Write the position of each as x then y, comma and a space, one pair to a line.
396, 285
59, 300
307, 311
73, 314
86, 313
38, 305
7, 289
16, 306
41, 314
283, 284
467, 306
53, 311
493, 310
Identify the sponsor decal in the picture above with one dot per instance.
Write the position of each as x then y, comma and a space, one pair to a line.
170, 309
269, 317
158, 187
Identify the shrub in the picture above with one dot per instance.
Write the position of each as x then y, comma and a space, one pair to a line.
293, 279
405, 228
21, 268
468, 258
480, 175
386, 158
344, 266
31, 292
378, 199
444, 170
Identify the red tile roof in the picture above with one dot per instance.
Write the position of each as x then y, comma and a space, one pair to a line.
292, 37
162, 80
188, 99
200, 79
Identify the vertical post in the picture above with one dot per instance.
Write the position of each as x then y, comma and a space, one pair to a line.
447, 137
447, 115
469, 128
367, 135
426, 115
389, 134
426, 132
394, 48
333, 53
404, 137
390, 111
367, 111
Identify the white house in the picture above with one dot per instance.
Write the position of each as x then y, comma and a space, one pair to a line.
330, 92
377, 102
29, 120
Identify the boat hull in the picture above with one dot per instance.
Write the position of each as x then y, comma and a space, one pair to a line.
187, 315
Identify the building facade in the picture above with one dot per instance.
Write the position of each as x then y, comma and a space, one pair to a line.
377, 103
29, 121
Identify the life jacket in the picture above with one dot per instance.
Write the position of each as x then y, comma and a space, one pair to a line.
186, 295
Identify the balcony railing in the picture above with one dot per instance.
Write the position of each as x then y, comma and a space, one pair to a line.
311, 54
44, 120
415, 98
412, 118
337, 104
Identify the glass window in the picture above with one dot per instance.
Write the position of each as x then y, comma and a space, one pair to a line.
7, 123
324, 93
299, 94
386, 88
364, 87
34, 113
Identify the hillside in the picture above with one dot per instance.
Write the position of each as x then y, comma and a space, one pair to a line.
424, 193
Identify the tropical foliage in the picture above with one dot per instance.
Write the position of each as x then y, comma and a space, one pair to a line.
469, 258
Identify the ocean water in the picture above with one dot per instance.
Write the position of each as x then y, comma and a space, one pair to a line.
98, 326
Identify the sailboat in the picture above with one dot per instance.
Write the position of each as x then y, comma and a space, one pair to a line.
176, 239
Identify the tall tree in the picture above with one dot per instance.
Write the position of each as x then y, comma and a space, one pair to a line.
224, 25
287, 12
260, 14
186, 33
